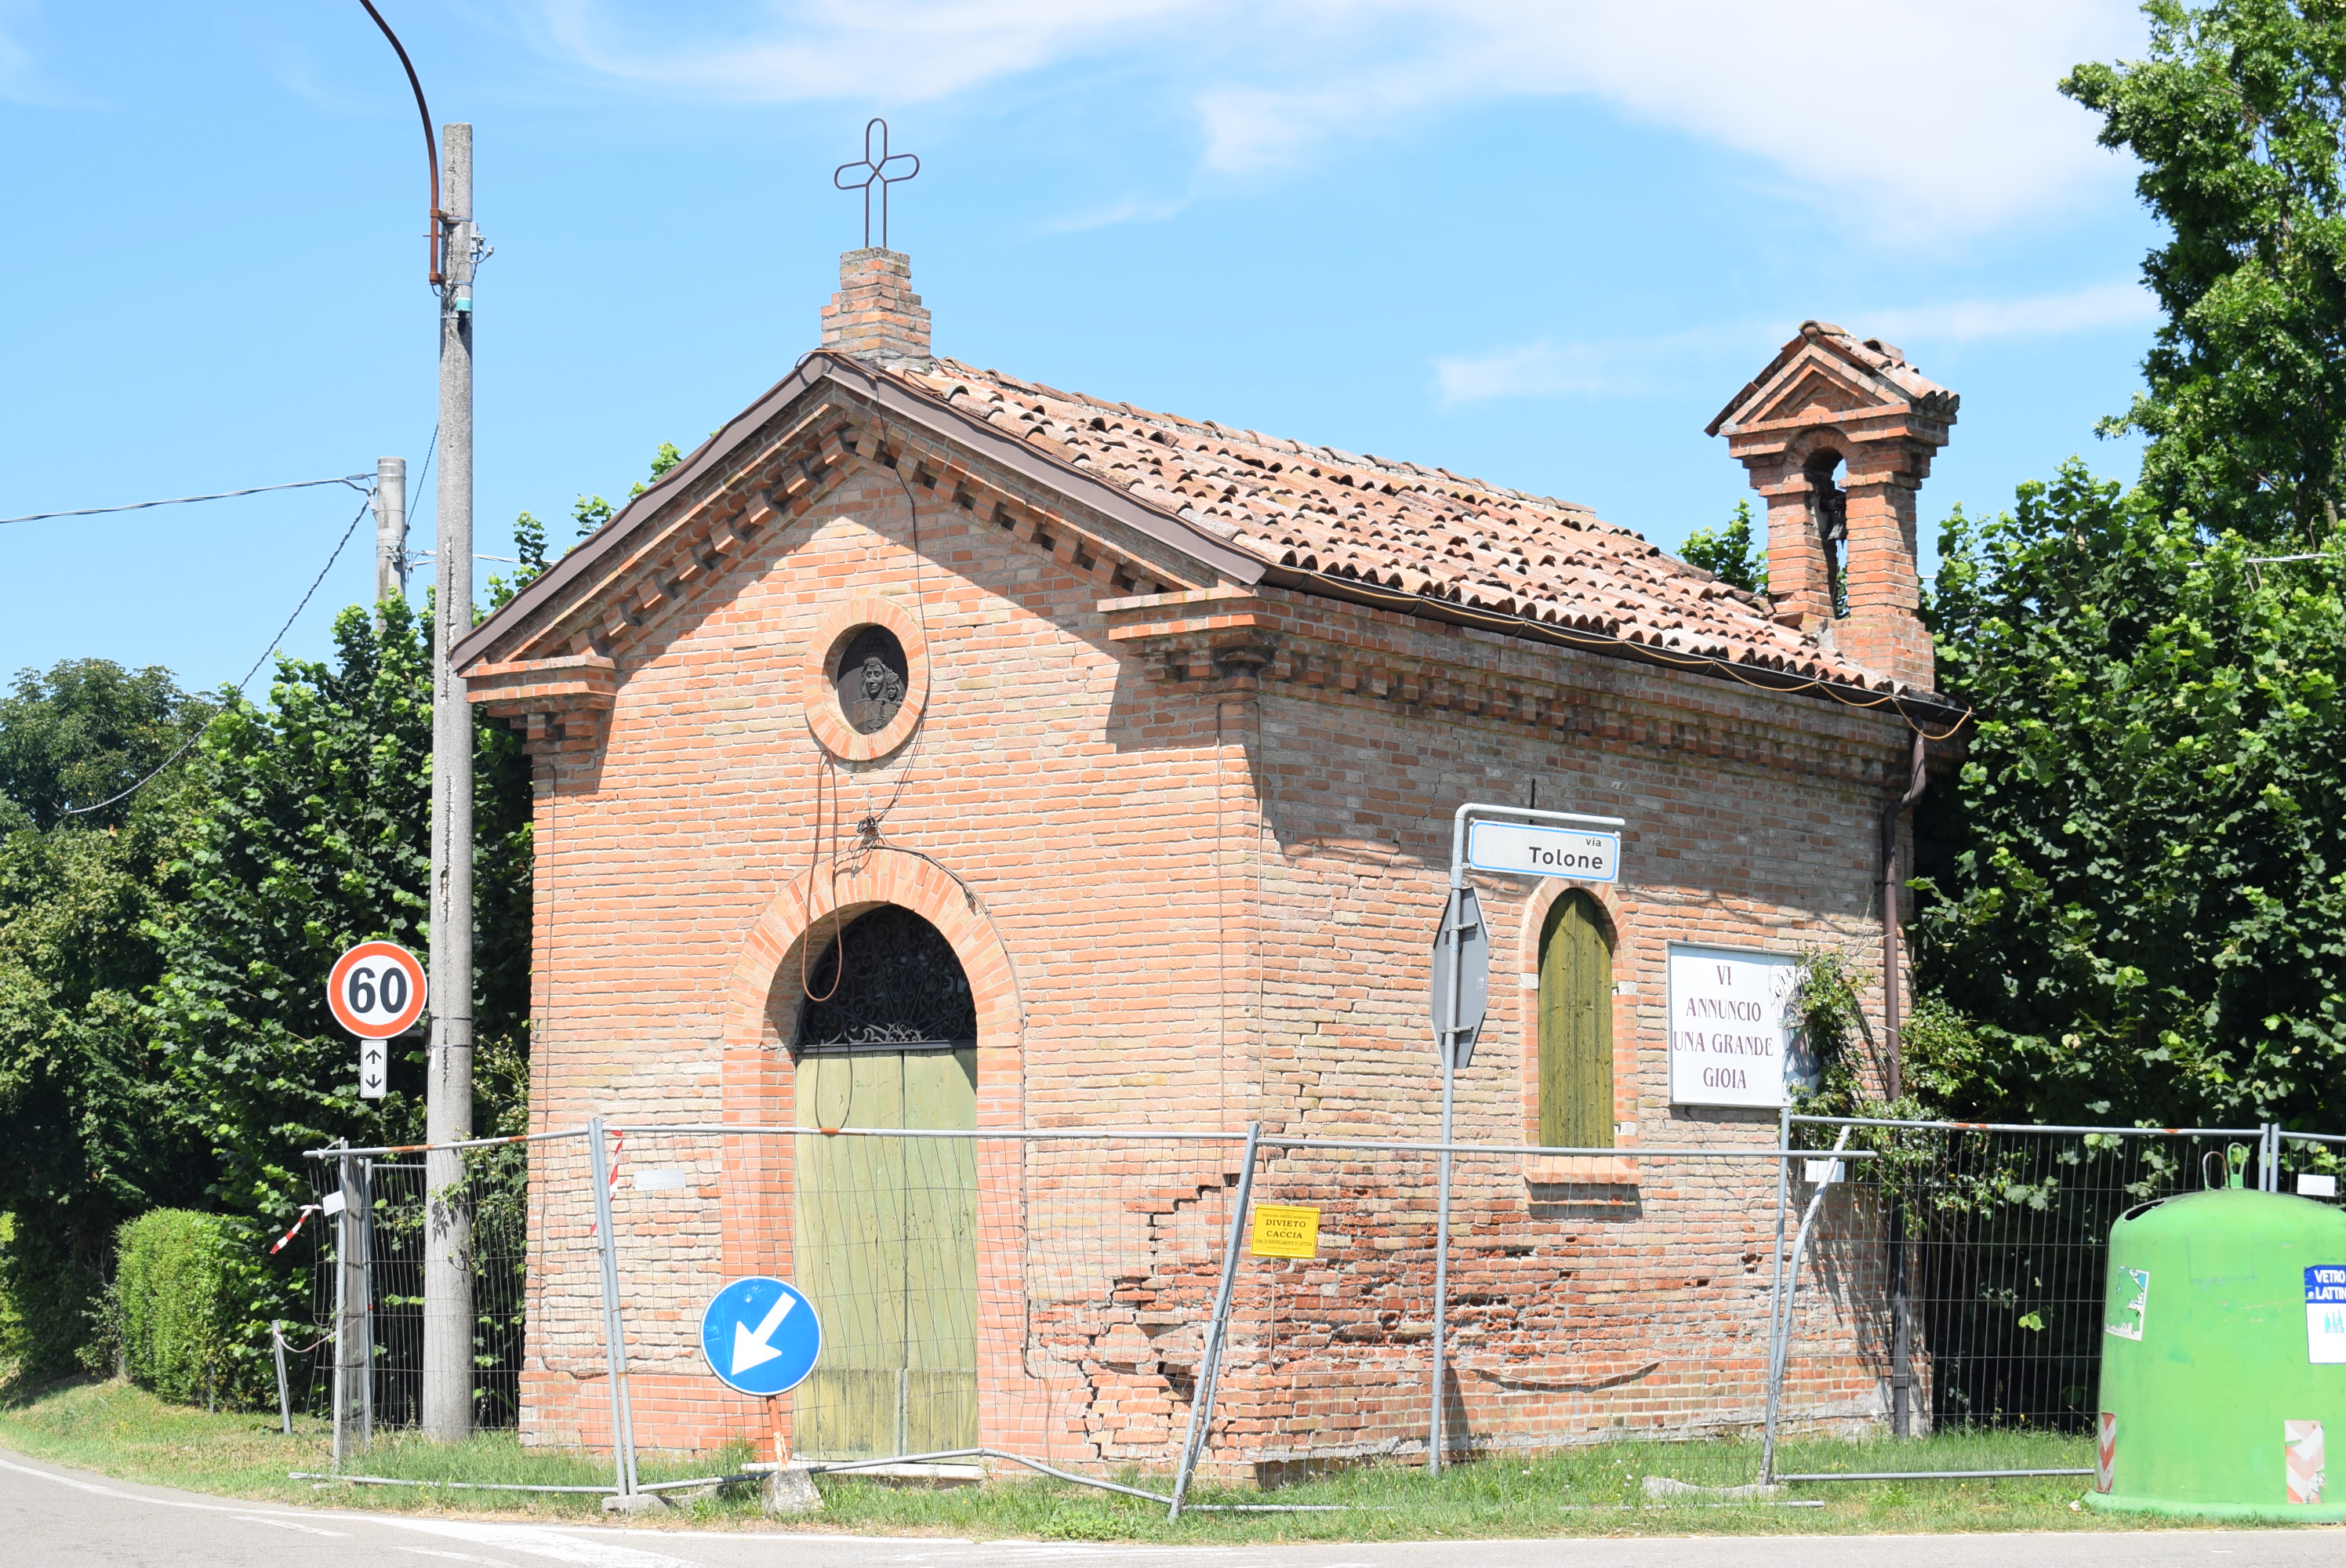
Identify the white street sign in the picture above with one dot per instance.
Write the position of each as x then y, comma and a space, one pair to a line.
1731, 1026
1534, 852
371, 1057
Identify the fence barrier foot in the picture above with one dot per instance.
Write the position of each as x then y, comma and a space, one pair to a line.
635, 1502
1658, 1487
789, 1489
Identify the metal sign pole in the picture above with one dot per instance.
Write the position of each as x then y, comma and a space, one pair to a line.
1447, 1031
1455, 915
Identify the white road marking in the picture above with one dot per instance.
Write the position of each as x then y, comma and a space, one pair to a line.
288, 1524
453, 1556
1085, 1552
525, 1539
535, 1541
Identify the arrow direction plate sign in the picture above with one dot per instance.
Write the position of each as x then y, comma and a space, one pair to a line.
1474, 973
761, 1336
1533, 851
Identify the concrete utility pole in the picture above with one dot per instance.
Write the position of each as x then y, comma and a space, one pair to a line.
448, 1118
390, 528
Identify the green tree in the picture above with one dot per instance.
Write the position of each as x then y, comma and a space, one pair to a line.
84, 732
1729, 553
93, 1133
316, 836
2137, 887
2236, 113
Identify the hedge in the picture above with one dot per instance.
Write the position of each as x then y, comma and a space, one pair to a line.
173, 1305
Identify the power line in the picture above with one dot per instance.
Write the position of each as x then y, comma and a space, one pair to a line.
360, 482
188, 745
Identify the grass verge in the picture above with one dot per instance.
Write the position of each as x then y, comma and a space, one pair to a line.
117, 1430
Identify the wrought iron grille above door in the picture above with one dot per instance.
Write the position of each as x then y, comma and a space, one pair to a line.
889, 980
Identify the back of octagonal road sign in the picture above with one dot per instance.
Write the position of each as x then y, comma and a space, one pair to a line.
761, 1336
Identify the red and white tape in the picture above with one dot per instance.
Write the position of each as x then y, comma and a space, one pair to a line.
299, 1221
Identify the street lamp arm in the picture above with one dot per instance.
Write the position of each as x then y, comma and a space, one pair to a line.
430, 148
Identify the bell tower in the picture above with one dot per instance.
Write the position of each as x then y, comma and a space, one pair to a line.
1838, 434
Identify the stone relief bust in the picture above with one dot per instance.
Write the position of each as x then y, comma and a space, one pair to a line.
872, 679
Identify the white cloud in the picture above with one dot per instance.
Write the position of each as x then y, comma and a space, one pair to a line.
899, 51
1909, 114
1127, 209
19, 82
1967, 321
1545, 368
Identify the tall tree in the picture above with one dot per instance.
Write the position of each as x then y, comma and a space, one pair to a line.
83, 733
2237, 113
90, 1129
2140, 873
316, 835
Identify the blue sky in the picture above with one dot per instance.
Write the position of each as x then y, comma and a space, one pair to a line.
1537, 242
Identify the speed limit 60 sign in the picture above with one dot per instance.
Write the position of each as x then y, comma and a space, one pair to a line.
376, 990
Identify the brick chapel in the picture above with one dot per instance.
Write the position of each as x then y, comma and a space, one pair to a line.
936, 748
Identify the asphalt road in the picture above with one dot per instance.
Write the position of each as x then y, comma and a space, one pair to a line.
53, 1516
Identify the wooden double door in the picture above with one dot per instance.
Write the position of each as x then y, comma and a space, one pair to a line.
884, 1236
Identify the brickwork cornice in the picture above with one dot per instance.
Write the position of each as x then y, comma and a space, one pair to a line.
560, 704
1284, 641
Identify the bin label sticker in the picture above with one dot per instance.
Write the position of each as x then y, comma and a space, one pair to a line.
2325, 1314
1281, 1230
2106, 1451
2302, 1443
2140, 1306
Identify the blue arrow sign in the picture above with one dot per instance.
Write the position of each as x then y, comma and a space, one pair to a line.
761, 1336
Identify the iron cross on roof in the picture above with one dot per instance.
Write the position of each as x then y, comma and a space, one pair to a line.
880, 167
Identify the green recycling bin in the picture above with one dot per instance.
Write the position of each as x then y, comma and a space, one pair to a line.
2223, 1357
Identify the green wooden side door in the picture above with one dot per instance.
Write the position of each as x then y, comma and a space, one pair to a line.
885, 1239
1576, 1027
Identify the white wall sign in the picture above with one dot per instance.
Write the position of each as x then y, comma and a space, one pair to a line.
1730, 1030
1534, 852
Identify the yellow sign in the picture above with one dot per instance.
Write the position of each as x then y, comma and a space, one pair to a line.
1281, 1231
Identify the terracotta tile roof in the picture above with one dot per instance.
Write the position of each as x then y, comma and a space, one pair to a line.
1393, 524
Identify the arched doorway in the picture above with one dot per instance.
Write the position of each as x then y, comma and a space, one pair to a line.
884, 1230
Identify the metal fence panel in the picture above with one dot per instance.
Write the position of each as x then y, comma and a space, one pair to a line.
1050, 1296
1967, 1265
